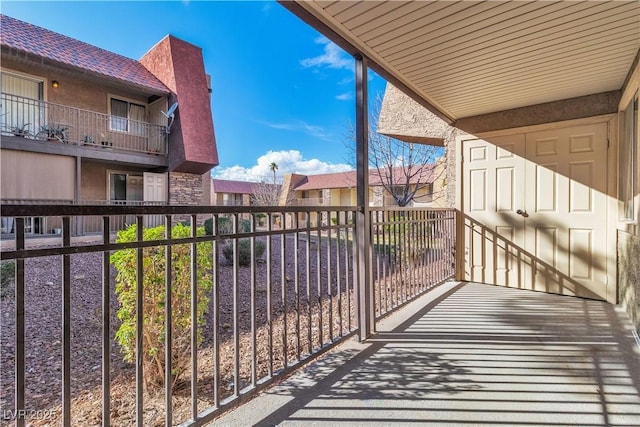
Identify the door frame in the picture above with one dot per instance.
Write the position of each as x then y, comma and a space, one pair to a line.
127, 174
612, 205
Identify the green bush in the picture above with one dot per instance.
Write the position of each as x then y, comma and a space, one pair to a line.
154, 299
244, 251
225, 226
7, 277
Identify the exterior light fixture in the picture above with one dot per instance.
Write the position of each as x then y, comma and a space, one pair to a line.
55, 84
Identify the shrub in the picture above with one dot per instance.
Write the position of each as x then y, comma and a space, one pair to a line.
154, 299
244, 251
225, 226
7, 277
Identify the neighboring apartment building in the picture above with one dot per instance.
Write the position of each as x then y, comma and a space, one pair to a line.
231, 193
339, 189
83, 125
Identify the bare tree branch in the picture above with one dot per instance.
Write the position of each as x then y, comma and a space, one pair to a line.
267, 194
403, 169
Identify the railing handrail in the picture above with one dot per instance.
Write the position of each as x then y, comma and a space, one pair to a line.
81, 126
23, 210
41, 101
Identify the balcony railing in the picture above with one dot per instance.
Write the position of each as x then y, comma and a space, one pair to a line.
48, 122
81, 225
287, 305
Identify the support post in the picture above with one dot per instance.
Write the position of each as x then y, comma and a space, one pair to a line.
459, 248
79, 220
363, 221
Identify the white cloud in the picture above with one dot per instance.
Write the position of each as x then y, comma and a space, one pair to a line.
347, 96
288, 161
332, 57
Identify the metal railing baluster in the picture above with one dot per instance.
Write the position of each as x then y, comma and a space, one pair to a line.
216, 314
283, 290
308, 282
254, 373
139, 323
194, 319
66, 324
106, 325
296, 280
20, 324
168, 325
413, 254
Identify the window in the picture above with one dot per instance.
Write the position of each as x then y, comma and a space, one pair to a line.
628, 185
127, 117
21, 111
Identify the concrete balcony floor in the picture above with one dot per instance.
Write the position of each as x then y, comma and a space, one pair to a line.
468, 354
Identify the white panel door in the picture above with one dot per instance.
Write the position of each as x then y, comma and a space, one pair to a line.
566, 201
535, 210
494, 180
155, 187
155, 190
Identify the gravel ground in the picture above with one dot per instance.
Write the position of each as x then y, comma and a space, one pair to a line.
43, 330
316, 314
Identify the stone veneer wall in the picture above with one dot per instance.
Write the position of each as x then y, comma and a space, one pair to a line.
629, 275
402, 117
185, 189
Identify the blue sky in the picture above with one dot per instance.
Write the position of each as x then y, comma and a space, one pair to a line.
281, 92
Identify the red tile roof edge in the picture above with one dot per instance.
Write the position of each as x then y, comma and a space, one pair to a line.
348, 179
38, 41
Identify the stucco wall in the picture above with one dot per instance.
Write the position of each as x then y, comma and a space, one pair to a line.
73, 90
27, 175
629, 275
403, 118
179, 65
450, 184
93, 178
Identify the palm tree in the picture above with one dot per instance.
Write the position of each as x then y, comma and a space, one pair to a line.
273, 167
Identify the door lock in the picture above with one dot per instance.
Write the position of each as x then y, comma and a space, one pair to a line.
523, 213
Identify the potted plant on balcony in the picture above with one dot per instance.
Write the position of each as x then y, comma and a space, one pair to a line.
53, 133
22, 131
104, 141
88, 140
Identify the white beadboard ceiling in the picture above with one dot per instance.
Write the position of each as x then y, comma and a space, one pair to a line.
468, 58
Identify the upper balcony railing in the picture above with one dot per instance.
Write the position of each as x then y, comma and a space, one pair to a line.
47, 122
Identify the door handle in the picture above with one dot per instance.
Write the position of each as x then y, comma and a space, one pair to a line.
523, 213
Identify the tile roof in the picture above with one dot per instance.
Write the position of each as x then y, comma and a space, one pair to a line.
235, 187
348, 179
65, 50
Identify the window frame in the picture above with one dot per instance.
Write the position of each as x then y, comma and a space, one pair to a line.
127, 121
629, 152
